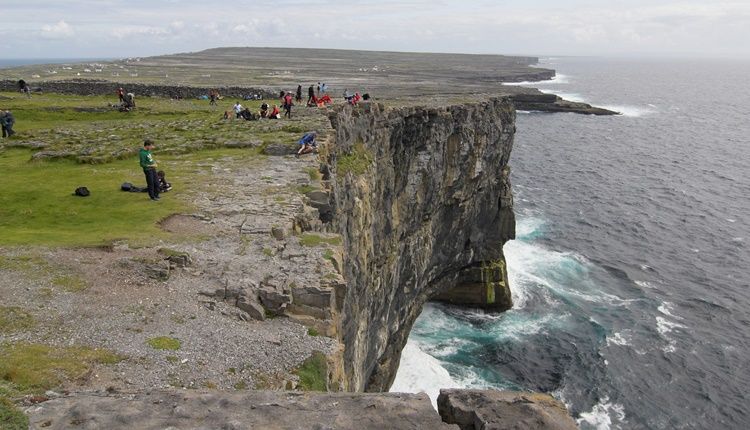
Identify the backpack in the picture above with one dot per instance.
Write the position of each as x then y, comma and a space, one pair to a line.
82, 192
288, 99
126, 186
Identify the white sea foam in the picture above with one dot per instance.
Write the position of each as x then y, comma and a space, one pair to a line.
528, 227
620, 338
629, 110
558, 79
603, 416
666, 308
645, 284
420, 372
665, 326
573, 97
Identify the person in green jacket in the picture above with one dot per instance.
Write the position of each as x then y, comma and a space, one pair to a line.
149, 168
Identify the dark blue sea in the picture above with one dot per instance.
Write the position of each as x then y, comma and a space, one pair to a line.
16, 62
631, 271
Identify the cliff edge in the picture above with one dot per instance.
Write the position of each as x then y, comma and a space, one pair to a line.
416, 193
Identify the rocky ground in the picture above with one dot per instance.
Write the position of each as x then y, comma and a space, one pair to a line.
119, 298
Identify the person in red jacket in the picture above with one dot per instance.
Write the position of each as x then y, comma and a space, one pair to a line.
288, 102
275, 114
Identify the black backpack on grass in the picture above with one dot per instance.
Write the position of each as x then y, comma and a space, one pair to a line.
82, 192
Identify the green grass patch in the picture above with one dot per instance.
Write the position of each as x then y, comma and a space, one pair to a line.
12, 418
27, 368
304, 189
172, 359
27, 264
313, 373
38, 208
310, 239
356, 162
13, 319
268, 252
164, 343
312, 331
328, 254
314, 174
70, 283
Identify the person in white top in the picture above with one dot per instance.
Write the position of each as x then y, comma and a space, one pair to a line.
237, 109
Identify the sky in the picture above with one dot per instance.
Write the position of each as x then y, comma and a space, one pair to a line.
126, 28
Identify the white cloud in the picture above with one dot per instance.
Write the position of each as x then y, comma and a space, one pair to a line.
125, 31
57, 31
570, 27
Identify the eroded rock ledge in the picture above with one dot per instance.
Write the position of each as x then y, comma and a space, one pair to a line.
184, 410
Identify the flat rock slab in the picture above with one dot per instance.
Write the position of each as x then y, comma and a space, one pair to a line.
179, 409
503, 410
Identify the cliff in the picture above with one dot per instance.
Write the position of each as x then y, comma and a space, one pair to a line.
416, 193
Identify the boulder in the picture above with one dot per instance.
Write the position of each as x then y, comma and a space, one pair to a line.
251, 306
274, 300
496, 410
157, 271
278, 233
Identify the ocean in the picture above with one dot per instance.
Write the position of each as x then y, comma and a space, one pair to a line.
630, 270
16, 62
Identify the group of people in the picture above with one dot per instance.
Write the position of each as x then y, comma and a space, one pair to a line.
126, 100
245, 113
7, 121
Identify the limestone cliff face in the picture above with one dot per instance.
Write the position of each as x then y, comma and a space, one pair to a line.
417, 199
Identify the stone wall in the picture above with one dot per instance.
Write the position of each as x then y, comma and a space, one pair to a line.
416, 194
94, 87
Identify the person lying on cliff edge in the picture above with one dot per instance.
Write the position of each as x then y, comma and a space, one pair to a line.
307, 143
149, 169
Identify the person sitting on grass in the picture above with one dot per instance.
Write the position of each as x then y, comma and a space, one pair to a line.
307, 143
164, 186
237, 109
275, 113
264, 110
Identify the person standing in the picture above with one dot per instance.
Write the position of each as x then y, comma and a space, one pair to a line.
121, 94
288, 105
311, 95
7, 121
298, 96
149, 169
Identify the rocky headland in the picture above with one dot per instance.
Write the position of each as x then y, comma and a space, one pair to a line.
309, 273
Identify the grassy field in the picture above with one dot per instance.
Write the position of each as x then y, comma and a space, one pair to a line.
64, 142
